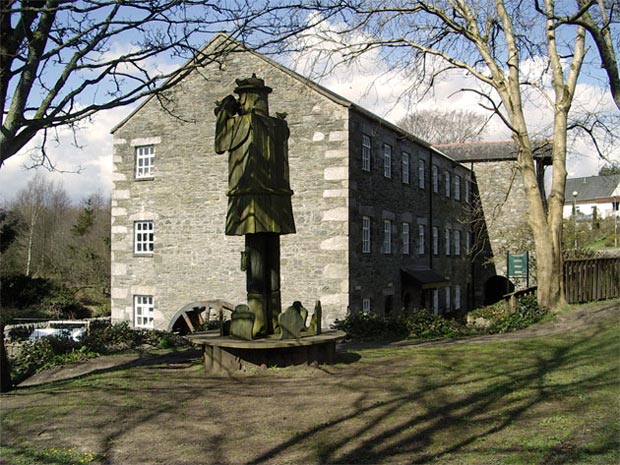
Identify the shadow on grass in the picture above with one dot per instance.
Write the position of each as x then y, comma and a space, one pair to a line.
454, 404
394, 432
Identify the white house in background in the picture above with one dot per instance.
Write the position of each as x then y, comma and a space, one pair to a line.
600, 193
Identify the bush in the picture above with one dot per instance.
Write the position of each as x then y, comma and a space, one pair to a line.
102, 338
419, 324
62, 304
490, 312
44, 353
371, 326
108, 338
527, 313
425, 325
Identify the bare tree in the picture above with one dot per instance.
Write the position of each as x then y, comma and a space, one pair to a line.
445, 127
43, 207
512, 49
62, 61
598, 17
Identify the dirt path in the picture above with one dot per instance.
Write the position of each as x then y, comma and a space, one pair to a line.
562, 323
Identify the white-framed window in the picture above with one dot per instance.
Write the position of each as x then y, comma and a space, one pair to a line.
143, 237
365, 234
406, 239
366, 306
387, 236
457, 188
405, 167
145, 161
421, 173
448, 303
366, 151
421, 239
457, 242
448, 239
457, 297
436, 301
387, 160
467, 192
143, 309
435, 240
447, 181
435, 178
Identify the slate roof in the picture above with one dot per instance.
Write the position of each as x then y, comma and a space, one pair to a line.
492, 151
593, 187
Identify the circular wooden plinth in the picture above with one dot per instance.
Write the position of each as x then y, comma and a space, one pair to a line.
224, 354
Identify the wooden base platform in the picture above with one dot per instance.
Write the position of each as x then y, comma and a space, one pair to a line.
224, 354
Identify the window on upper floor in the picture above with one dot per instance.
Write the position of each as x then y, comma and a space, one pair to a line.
435, 241
406, 239
144, 311
421, 244
143, 234
387, 236
421, 174
467, 191
447, 185
457, 242
145, 160
448, 239
365, 234
435, 178
366, 152
457, 187
387, 160
405, 167
468, 242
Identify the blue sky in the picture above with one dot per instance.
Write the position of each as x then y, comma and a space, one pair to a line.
371, 83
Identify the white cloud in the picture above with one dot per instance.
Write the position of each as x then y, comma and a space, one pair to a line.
92, 157
372, 83
368, 81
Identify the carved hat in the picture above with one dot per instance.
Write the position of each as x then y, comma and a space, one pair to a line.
253, 84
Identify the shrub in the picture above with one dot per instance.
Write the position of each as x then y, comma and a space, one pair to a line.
527, 313
419, 324
108, 338
426, 325
44, 353
102, 338
63, 304
490, 312
371, 326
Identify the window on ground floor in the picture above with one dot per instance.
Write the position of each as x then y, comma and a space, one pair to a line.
143, 311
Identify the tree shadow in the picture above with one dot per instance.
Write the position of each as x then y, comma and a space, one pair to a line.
411, 440
387, 410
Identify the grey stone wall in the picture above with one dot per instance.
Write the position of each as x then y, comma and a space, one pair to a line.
377, 275
193, 260
505, 207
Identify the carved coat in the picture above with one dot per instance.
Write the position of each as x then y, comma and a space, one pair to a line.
259, 194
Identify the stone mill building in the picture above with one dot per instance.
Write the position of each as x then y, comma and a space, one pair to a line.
382, 217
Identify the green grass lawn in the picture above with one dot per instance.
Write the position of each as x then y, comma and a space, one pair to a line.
545, 400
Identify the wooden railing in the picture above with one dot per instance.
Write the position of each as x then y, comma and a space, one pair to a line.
592, 279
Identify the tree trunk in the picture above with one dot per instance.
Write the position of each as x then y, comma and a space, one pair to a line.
6, 384
546, 234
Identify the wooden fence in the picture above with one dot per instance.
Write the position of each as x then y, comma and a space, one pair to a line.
592, 279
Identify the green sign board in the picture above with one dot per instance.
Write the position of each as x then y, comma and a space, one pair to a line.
518, 265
